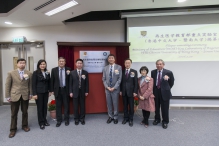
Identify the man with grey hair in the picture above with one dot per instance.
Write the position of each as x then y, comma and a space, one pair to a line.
163, 82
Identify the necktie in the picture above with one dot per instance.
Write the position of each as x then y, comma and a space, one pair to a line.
61, 78
158, 82
79, 74
111, 75
21, 75
127, 73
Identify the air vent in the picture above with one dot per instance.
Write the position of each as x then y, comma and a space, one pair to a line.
43, 5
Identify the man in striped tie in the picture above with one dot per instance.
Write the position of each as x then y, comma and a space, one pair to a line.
79, 88
112, 75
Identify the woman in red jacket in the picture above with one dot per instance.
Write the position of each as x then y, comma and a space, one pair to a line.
145, 94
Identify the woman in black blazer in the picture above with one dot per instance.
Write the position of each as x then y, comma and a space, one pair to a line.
41, 88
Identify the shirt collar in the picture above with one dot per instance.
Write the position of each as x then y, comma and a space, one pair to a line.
112, 65
20, 71
61, 68
128, 69
79, 70
160, 71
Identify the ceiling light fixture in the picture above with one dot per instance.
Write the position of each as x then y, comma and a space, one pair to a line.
61, 8
8, 23
180, 1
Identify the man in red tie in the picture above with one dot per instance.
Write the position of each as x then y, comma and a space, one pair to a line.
128, 90
163, 82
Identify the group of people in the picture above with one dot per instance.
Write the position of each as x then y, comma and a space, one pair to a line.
153, 92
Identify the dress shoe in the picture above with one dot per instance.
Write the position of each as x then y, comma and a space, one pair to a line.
46, 124
12, 134
66, 123
115, 121
156, 122
82, 122
26, 129
164, 126
42, 127
76, 122
109, 120
58, 124
130, 123
124, 121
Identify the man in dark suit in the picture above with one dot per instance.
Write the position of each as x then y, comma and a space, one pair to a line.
163, 82
128, 90
60, 89
78, 89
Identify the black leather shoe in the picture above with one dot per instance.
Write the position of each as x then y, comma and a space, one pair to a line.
115, 121
46, 124
124, 121
82, 122
58, 124
109, 120
76, 122
130, 123
66, 123
156, 122
42, 127
164, 126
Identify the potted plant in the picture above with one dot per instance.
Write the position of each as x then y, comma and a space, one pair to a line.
136, 102
52, 108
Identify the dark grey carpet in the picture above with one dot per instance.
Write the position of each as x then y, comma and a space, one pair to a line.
186, 128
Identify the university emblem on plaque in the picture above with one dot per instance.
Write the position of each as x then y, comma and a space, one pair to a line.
104, 53
143, 33
85, 53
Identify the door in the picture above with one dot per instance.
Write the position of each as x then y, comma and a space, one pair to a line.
10, 54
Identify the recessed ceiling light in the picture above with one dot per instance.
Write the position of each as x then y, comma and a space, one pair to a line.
61, 8
180, 1
8, 23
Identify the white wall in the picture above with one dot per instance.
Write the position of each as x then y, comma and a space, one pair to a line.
103, 31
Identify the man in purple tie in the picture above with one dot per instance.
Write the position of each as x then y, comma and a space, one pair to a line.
128, 90
163, 82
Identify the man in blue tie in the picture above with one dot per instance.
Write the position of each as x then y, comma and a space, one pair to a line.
163, 82
60, 88
112, 75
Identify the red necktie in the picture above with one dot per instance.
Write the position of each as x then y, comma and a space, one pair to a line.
127, 73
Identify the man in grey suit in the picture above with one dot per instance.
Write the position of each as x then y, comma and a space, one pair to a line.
112, 75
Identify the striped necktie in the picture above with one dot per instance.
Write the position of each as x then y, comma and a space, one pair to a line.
111, 76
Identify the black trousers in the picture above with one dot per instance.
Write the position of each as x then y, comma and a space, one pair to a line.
146, 115
128, 103
62, 99
14, 112
159, 102
41, 103
79, 102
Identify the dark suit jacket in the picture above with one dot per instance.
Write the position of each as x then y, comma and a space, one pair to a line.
39, 83
55, 80
129, 85
165, 85
74, 83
